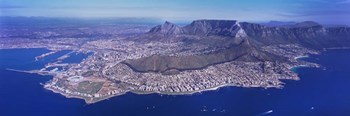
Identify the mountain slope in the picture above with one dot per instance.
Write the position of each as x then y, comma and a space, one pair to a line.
173, 64
232, 41
307, 34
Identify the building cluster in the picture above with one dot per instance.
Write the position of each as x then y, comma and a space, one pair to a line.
105, 64
108, 54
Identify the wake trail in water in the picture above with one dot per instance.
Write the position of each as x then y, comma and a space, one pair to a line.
265, 113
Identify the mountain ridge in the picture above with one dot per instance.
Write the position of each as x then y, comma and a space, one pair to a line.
233, 41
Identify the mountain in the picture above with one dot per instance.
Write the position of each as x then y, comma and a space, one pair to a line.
291, 24
233, 41
229, 28
305, 24
307, 34
167, 29
278, 23
173, 64
201, 28
206, 30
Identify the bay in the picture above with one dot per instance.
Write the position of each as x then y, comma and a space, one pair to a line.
321, 91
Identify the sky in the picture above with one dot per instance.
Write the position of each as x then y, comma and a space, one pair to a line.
323, 11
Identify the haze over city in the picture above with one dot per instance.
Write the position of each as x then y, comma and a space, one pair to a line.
322, 11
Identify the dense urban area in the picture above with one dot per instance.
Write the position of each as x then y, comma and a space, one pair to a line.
104, 73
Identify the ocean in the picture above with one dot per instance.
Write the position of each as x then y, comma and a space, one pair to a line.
321, 91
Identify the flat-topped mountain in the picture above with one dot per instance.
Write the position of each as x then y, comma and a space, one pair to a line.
307, 34
279, 23
233, 41
291, 24
214, 27
201, 28
306, 24
204, 30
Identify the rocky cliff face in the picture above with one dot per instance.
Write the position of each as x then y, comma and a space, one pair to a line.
228, 28
308, 34
237, 41
167, 29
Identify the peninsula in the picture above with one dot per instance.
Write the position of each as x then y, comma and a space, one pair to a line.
172, 59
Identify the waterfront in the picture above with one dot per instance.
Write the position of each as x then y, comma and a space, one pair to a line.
321, 91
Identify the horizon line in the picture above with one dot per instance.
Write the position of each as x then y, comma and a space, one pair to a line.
182, 21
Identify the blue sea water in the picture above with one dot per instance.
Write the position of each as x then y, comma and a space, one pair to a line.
321, 91
76, 57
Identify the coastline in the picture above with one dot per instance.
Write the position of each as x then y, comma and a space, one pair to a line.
187, 93
86, 100
204, 90
304, 63
92, 100
336, 48
301, 56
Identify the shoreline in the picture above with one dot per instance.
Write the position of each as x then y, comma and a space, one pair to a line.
92, 100
336, 48
86, 100
204, 90
188, 93
301, 56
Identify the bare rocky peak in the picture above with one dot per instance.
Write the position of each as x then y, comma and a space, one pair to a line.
213, 27
308, 33
202, 28
233, 41
167, 28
